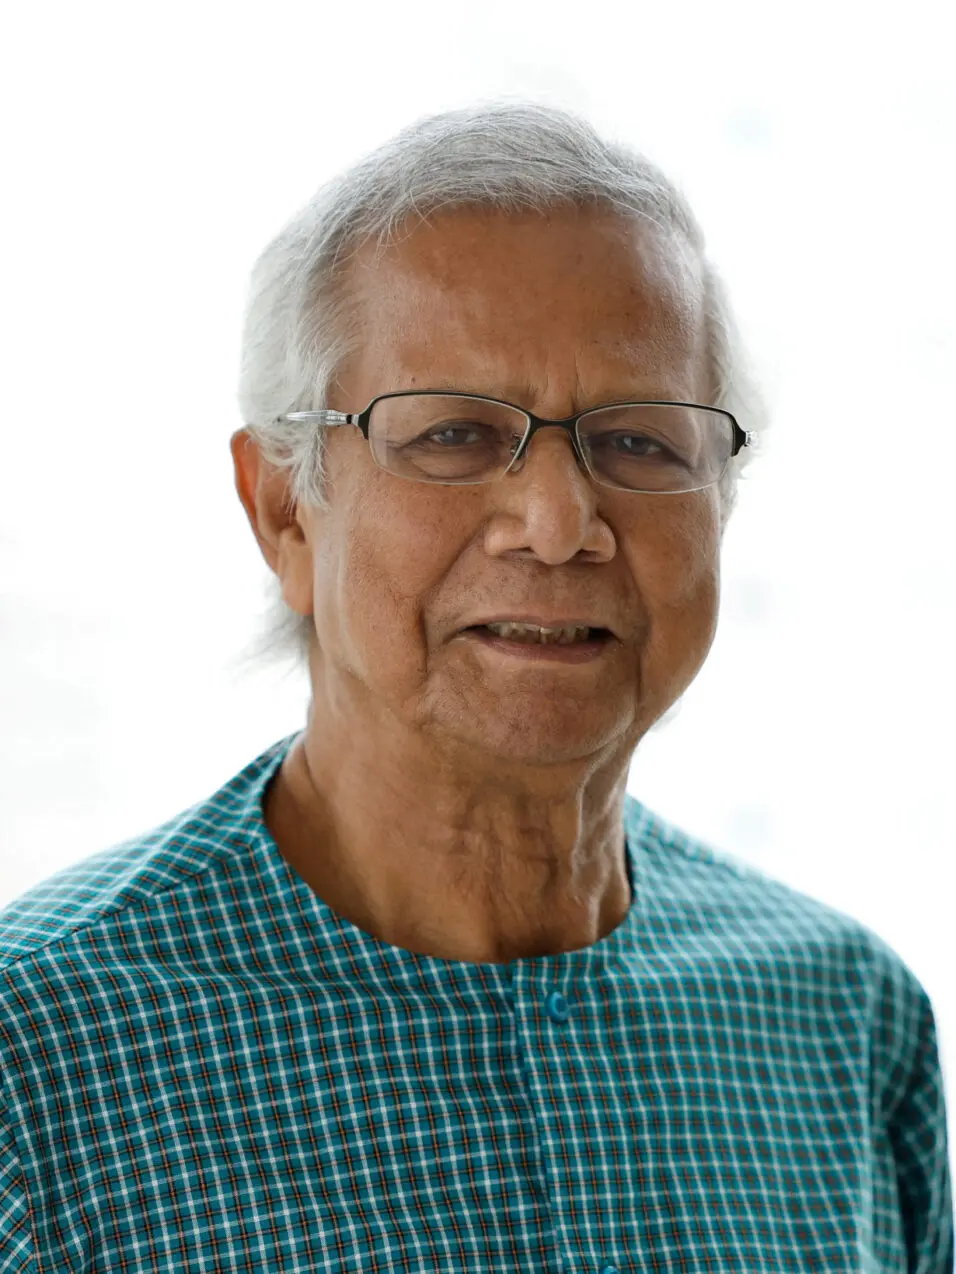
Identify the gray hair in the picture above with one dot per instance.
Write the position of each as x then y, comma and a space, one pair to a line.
299, 326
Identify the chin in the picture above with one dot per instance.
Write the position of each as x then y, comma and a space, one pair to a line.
537, 724
545, 742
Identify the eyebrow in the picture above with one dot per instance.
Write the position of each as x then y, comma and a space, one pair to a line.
525, 392
513, 392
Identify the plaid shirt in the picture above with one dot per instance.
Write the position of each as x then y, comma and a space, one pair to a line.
206, 1069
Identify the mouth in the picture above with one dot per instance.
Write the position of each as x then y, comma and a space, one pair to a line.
577, 644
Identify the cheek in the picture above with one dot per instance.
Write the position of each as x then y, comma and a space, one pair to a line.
383, 551
676, 556
676, 566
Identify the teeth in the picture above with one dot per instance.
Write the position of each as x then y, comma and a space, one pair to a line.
532, 633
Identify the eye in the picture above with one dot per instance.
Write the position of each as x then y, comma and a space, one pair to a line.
634, 444
457, 433
629, 445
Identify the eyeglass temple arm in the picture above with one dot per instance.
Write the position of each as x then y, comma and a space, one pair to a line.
751, 439
324, 417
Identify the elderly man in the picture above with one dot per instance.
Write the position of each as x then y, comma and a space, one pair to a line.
422, 988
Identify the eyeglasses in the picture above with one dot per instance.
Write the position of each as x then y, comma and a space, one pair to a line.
430, 435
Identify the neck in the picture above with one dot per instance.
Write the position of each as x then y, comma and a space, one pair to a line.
480, 862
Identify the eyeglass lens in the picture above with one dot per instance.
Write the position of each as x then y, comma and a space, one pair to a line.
449, 439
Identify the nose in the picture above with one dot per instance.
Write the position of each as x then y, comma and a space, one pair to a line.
547, 506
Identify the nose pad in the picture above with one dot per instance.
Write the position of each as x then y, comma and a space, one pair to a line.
516, 467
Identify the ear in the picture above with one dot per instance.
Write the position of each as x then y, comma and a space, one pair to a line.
264, 491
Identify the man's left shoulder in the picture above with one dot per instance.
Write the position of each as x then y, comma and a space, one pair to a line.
697, 887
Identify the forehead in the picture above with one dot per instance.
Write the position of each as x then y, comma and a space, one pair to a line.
487, 300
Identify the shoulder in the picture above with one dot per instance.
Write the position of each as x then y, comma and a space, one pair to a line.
707, 894
137, 872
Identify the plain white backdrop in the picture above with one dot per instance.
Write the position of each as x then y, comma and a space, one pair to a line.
152, 150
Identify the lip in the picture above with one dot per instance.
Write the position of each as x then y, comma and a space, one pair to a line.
579, 653
540, 621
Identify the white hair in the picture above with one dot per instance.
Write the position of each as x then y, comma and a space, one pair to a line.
299, 324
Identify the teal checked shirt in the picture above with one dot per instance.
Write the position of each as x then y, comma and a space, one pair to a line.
204, 1068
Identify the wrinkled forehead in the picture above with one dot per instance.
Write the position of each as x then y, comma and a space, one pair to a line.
498, 296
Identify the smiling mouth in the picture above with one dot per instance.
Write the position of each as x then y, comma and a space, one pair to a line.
533, 635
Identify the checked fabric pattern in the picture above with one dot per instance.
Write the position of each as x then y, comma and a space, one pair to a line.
205, 1069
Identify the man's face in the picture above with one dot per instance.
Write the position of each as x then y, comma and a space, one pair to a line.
554, 315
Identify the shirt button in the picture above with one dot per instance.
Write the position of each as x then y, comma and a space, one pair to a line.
557, 1007
608, 1269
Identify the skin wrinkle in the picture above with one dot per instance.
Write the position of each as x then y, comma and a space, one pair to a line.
447, 803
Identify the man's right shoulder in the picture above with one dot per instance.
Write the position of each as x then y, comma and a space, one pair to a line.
135, 873
89, 892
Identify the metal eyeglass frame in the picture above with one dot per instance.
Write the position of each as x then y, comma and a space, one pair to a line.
329, 418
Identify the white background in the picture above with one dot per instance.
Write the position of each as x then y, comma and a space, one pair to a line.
152, 151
